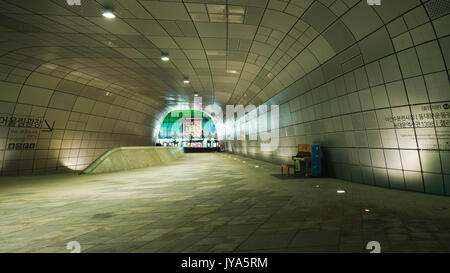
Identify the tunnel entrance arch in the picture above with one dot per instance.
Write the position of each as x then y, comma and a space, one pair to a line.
187, 128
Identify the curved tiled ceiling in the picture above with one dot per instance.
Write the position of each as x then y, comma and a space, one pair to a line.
233, 51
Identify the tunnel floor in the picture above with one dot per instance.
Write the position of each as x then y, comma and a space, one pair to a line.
215, 203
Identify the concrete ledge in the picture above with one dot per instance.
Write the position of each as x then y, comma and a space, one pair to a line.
128, 158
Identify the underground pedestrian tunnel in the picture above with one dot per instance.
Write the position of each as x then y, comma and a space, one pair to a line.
91, 87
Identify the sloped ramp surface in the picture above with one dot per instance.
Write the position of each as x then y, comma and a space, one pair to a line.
128, 158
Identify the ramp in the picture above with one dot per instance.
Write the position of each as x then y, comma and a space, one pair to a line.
128, 158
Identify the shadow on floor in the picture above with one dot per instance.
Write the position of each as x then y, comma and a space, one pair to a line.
291, 177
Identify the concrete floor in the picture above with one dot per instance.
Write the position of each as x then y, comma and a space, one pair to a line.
215, 203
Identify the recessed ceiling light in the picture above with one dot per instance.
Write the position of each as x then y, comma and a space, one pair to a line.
340, 191
215, 52
165, 57
236, 19
236, 10
186, 80
256, 166
317, 186
50, 66
108, 13
367, 210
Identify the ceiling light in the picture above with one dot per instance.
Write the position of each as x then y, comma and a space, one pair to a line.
236, 19
216, 9
165, 57
340, 191
215, 52
217, 18
186, 80
367, 210
195, 93
50, 66
108, 13
236, 10
317, 186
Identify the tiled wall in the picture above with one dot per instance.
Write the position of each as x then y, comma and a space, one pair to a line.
87, 117
358, 103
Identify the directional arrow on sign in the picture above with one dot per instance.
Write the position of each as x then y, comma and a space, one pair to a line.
49, 128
